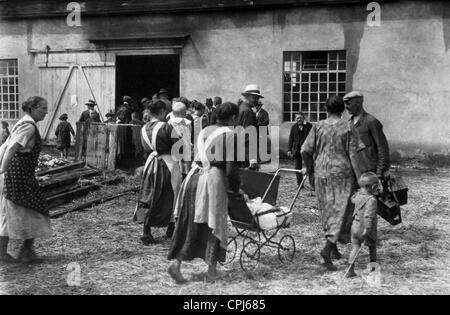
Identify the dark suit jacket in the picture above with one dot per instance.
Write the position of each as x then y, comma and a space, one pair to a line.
297, 137
85, 115
375, 156
247, 116
262, 119
211, 115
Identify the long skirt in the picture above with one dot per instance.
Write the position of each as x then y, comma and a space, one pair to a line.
156, 199
18, 222
333, 195
193, 240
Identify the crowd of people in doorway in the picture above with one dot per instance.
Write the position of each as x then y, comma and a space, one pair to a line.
345, 158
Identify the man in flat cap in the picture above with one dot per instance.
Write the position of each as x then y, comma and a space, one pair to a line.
375, 156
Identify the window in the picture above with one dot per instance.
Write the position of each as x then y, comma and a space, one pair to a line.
9, 89
309, 78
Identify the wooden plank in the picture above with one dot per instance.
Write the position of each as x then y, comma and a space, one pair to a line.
112, 147
39, 8
94, 202
68, 178
68, 167
65, 197
91, 145
100, 150
63, 191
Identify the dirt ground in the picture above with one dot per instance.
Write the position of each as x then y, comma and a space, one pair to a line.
104, 243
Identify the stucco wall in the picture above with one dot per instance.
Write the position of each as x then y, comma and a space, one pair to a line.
402, 66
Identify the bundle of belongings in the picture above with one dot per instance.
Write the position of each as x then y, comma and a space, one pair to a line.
269, 217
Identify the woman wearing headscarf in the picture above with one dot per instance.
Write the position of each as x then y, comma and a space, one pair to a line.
23, 208
328, 152
162, 176
202, 204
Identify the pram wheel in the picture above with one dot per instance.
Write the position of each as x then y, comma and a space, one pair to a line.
286, 248
250, 256
231, 252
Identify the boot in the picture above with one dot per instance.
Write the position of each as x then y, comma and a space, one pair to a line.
326, 255
335, 254
170, 229
27, 254
5, 258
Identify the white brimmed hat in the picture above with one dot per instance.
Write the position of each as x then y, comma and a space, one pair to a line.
252, 89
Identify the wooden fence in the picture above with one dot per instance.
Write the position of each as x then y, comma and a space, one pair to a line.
108, 146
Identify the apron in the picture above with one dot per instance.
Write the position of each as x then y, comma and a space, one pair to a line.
21, 186
211, 201
152, 168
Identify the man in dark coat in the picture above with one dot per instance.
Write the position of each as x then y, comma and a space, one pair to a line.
85, 115
262, 116
298, 134
247, 118
375, 156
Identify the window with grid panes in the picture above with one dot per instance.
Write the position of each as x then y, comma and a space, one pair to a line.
9, 89
309, 78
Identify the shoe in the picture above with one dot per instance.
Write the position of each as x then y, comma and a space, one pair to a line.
8, 259
176, 275
147, 240
28, 256
327, 262
335, 254
330, 266
170, 230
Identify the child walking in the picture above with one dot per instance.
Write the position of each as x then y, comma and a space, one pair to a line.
364, 226
62, 134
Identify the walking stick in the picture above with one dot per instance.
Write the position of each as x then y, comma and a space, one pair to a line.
351, 263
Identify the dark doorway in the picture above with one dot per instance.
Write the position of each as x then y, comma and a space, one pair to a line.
143, 76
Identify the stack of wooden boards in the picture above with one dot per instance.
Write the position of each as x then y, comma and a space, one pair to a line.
62, 184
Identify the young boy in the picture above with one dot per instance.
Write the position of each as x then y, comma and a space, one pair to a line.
364, 226
5, 132
62, 134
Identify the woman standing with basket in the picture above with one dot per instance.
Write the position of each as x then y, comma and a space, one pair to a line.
23, 208
202, 204
328, 152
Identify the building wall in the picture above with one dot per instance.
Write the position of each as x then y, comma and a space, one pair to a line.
402, 66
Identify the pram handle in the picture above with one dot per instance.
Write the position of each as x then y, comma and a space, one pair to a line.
288, 170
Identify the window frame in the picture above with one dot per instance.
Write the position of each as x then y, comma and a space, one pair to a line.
315, 108
9, 101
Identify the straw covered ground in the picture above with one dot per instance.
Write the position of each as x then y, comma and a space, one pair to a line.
103, 243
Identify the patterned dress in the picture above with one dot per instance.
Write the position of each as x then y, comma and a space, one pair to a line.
23, 208
330, 146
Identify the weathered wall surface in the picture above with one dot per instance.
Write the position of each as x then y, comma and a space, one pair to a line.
402, 66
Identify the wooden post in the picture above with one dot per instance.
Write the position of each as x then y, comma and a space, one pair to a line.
112, 147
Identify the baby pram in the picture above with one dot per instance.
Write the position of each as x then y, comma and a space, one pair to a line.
257, 184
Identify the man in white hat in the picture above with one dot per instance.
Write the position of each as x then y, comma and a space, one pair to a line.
252, 95
247, 117
375, 156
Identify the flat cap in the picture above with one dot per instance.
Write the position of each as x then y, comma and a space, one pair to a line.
352, 94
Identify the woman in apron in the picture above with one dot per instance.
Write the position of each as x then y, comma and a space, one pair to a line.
202, 204
162, 176
23, 208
